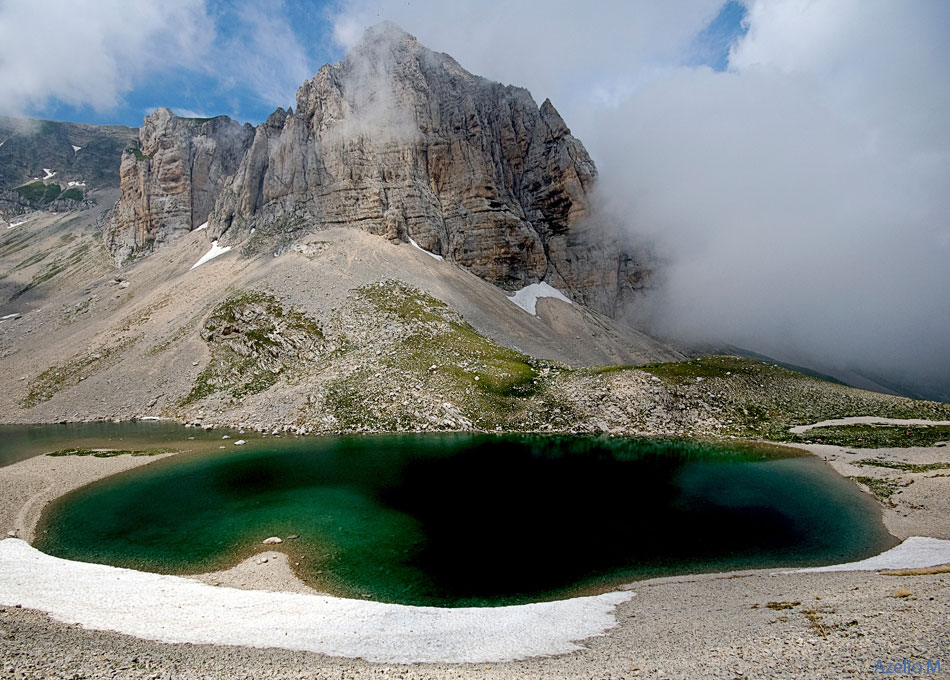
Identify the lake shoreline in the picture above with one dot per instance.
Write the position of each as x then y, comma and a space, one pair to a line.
645, 638
210, 511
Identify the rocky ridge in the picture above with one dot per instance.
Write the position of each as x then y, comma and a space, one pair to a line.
54, 166
401, 142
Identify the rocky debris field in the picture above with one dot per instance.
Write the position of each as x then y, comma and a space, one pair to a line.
395, 359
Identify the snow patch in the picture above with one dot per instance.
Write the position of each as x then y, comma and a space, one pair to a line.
16, 224
430, 254
15, 315
76, 149
3, 142
76, 184
49, 173
917, 552
211, 254
527, 298
201, 226
175, 609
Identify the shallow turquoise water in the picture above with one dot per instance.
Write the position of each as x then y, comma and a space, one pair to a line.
470, 519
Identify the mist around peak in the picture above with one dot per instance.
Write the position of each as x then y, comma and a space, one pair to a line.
794, 182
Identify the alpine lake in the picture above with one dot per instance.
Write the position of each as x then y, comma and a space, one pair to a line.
454, 519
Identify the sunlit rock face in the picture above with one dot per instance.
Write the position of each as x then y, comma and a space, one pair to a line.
401, 142
169, 184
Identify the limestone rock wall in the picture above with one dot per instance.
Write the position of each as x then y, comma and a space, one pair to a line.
169, 184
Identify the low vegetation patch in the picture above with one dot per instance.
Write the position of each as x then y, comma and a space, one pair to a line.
923, 571
762, 401
71, 194
39, 194
110, 453
779, 606
904, 467
253, 341
76, 256
687, 372
883, 489
486, 381
137, 152
876, 436
70, 373
814, 617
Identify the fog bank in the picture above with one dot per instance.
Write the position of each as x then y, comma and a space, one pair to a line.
799, 197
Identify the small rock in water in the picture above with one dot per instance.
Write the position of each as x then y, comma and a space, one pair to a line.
240, 442
293, 536
273, 540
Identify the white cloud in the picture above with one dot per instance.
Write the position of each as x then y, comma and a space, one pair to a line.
802, 195
90, 54
560, 49
263, 54
187, 113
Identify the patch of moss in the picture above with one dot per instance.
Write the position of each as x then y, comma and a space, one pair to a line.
14, 242
486, 384
273, 237
404, 302
619, 368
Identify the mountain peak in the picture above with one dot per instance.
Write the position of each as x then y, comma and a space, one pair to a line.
386, 31
404, 143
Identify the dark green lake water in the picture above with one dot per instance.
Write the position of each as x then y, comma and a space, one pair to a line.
470, 519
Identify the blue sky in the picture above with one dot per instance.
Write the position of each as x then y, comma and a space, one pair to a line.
282, 47
712, 45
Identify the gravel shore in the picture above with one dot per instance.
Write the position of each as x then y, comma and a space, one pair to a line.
752, 624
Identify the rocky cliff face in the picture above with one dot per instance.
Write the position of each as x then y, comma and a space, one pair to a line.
401, 142
169, 185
